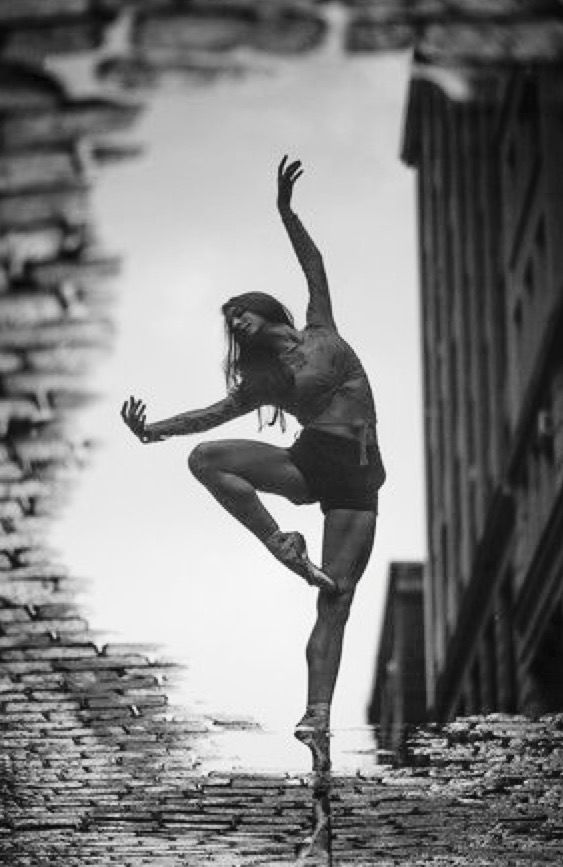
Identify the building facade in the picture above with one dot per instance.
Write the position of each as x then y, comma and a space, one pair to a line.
399, 694
490, 204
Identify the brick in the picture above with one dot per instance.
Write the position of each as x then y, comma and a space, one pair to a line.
28, 308
203, 32
86, 272
81, 118
26, 10
17, 714
72, 35
41, 706
14, 541
62, 358
19, 171
27, 667
106, 152
76, 626
37, 571
62, 653
57, 610
366, 33
22, 88
10, 362
17, 409
43, 449
11, 642
285, 28
49, 334
98, 664
10, 471
43, 680
29, 244
40, 382
70, 202
28, 488
10, 510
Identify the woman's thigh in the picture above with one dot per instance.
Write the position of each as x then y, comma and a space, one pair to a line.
266, 467
347, 545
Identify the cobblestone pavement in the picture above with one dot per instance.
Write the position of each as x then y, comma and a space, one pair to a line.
481, 791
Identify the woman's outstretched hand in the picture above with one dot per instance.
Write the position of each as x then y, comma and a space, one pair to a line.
133, 413
287, 175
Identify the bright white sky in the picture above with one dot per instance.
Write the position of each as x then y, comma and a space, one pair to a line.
195, 220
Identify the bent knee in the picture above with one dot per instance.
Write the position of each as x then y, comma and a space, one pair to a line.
203, 459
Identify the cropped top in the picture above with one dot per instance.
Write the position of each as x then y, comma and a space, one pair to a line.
324, 366
330, 387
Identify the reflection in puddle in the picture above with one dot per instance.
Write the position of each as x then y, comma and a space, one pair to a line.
352, 751
180, 573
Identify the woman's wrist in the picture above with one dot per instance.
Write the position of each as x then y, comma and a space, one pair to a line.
155, 433
285, 211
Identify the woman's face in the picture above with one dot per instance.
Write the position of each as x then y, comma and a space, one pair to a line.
244, 324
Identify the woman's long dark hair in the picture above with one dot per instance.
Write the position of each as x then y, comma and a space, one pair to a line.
255, 370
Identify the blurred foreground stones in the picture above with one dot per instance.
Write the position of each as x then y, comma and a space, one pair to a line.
203, 39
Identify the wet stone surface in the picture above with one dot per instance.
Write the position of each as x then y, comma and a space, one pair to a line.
80, 789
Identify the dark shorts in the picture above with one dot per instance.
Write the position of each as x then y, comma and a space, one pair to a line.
330, 465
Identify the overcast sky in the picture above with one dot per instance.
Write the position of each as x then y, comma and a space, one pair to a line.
195, 221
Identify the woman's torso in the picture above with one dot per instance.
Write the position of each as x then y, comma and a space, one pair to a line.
331, 390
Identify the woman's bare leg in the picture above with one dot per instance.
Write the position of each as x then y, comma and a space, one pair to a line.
233, 471
347, 545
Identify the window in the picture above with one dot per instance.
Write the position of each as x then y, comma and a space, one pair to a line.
511, 159
506, 649
491, 697
540, 243
540, 235
476, 698
529, 280
518, 316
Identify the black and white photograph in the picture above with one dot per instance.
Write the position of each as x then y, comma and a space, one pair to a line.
281, 407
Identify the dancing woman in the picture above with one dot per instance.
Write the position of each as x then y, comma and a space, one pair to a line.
314, 375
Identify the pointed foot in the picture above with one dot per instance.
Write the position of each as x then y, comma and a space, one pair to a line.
317, 739
291, 550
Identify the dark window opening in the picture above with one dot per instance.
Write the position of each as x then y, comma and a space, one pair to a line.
547, 667
529, 279
540, 235
518, 315
506, 678
476, 699
490, 697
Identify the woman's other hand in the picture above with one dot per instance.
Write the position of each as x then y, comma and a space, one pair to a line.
287, 175
133, 413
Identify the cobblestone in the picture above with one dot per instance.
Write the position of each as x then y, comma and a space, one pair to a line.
501, 805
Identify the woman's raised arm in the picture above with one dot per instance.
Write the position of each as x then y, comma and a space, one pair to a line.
319, 309
133, 413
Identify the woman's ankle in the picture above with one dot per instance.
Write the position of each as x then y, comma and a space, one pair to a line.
316, 715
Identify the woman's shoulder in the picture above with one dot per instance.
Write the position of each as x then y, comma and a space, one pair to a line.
320, 332
320, 326
324, 333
